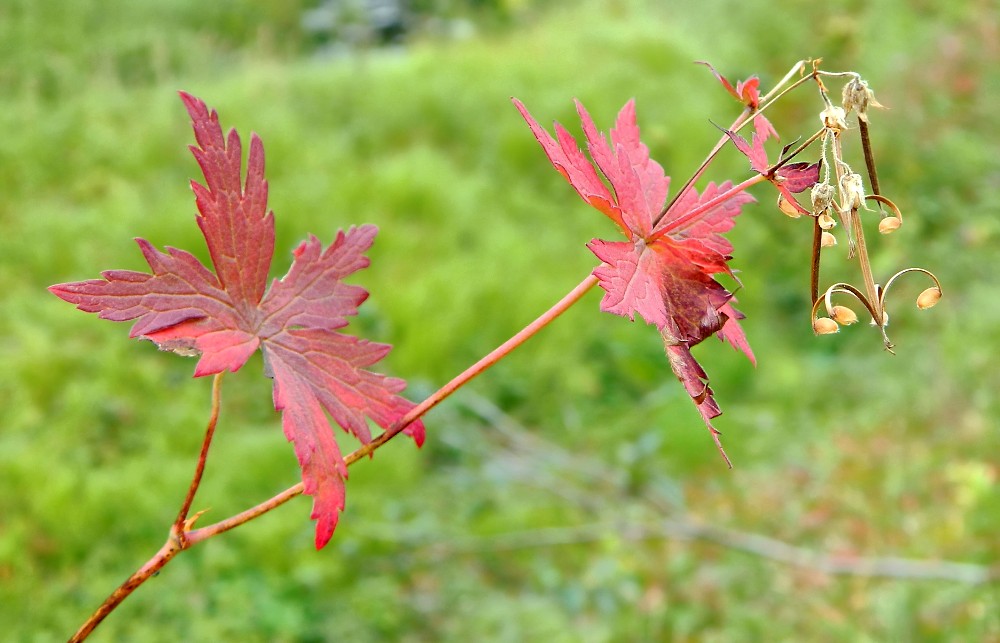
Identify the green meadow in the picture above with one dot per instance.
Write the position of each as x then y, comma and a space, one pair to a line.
571, 493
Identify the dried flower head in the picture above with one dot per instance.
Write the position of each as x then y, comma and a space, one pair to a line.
859, 97
822, 197
852, 191
834, 118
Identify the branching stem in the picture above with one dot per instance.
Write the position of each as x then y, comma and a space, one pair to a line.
183, 537
176, 542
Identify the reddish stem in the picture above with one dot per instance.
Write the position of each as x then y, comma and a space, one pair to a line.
182, 537
176, 543
694, 213
415, 413
180, 527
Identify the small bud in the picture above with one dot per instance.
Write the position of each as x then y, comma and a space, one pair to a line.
834, 118
928, 298
827, 240
788, 208
822, 197
843, 315
825, 326
826, 222
889, 224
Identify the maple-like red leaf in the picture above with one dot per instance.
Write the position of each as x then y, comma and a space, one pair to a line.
664, 271
226, 315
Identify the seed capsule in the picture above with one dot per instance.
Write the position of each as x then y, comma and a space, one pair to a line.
827, 240
822, 197
825, 326
889, 224
843, 315
853, 189
787, 208
928, 298
826, 222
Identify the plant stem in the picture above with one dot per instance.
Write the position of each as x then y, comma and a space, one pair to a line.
817, 248
694, 213
745, 117
182, 537
866, 145
170, 549
415, 413
213, 419
176, 542
737, 124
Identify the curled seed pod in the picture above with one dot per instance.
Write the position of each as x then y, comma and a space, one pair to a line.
889, 224
843, 315
825, 326
827, 240
928, 298
787, 208
826, 222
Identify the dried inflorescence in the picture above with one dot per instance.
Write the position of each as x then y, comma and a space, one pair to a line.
842, 195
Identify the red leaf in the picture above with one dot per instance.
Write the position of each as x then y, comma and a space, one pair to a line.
225, 316
798, 177
748, 92
664, 271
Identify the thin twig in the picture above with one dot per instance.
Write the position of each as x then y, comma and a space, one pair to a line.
817, 248
182, 537
176, 542
213, 419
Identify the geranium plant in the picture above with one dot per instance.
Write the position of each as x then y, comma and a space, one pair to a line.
667, 271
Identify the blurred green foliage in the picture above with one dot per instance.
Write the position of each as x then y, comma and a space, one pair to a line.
538, 508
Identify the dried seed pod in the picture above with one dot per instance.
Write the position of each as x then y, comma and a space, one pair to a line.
826, 222
859, 97
889, 224
853, 189
843, 315
822, 197
827, 240
787, 208
928, 298
825, 326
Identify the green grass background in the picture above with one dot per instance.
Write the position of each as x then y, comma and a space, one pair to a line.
541, 506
